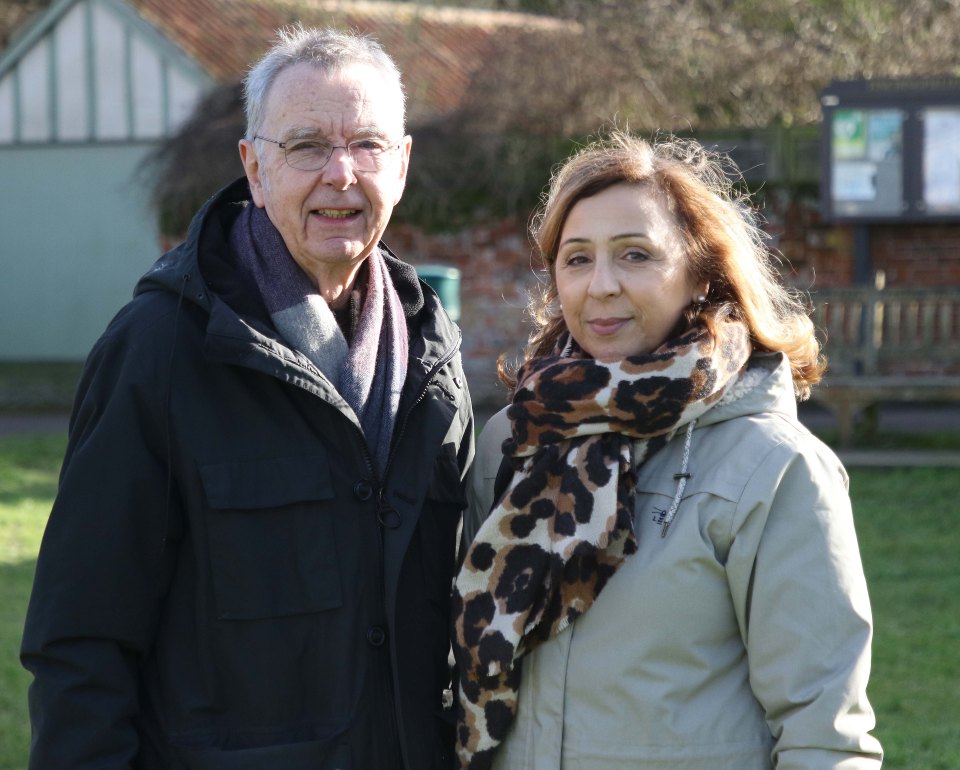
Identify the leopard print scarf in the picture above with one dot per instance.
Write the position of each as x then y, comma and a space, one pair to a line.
579, 427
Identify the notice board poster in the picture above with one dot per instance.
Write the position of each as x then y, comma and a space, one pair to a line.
867, 162
941, 159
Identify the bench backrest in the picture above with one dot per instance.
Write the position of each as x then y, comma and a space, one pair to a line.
889, 331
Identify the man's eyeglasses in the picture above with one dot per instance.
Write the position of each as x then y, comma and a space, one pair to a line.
314, 154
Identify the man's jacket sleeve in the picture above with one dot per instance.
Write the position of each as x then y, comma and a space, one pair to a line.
102, 570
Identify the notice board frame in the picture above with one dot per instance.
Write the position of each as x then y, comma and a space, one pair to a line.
890, 150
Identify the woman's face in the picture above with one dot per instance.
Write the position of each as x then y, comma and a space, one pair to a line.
621, 272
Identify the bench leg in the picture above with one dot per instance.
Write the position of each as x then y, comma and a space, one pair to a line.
844, 412
870, 420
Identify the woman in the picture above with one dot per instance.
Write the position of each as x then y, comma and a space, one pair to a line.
671, 578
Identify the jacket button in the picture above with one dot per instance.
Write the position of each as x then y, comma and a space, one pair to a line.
363, 490
376, 636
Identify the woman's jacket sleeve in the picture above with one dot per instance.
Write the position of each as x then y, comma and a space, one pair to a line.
800, 593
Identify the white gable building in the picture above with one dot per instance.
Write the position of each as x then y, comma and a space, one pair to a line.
86, 94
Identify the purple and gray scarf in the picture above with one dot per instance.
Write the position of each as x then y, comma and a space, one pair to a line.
369, 372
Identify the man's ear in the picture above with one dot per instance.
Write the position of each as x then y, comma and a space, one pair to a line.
251, 167
404, 165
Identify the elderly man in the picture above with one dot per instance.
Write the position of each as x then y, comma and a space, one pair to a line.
250, 555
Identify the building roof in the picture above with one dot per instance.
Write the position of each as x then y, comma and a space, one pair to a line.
438, 49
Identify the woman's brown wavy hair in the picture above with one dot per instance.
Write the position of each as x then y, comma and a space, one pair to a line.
718, 227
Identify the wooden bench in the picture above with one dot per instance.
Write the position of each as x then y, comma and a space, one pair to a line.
886, 345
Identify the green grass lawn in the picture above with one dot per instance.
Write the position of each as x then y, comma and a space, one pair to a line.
28, 477
908, 522
909, 533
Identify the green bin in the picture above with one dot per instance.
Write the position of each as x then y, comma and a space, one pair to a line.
445, 281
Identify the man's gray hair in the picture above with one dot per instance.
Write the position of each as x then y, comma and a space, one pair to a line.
326, 49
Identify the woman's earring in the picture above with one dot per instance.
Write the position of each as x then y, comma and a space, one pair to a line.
700, 299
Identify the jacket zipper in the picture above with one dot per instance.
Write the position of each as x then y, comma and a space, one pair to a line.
440, 363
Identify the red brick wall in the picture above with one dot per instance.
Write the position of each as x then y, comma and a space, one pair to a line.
918, 255
813, 253
496, 276
820, 255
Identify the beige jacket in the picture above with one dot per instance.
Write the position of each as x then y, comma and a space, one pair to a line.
741, 640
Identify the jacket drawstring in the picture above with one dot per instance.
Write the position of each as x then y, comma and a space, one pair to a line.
681, 479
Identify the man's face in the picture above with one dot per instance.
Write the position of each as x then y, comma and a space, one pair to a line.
329, 219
